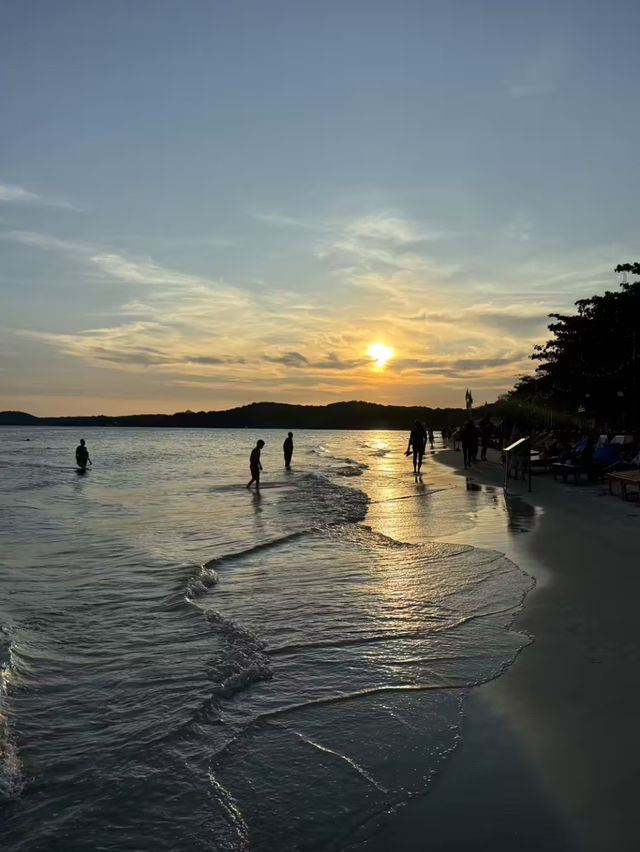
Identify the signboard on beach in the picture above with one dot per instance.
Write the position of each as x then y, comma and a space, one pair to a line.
514, 445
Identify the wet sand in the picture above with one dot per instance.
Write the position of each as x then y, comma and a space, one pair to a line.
549, 749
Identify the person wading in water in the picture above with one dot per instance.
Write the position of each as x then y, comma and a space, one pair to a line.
82, 455
255, 466
287, 448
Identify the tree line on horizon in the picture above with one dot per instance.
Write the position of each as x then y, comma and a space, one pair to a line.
267, 415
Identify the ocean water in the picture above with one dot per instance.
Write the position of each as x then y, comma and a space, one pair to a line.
187, 665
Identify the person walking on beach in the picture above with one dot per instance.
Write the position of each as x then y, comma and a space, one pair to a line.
431, 437
469, 439
476, 441
255, 466
82, 455
486, 428
417, 443
287, 448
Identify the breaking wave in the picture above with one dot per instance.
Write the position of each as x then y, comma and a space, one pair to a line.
11, 778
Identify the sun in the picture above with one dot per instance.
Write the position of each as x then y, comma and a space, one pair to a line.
380, 353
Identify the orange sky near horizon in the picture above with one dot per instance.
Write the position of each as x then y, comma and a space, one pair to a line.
175, 340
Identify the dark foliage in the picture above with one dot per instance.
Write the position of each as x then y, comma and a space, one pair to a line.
591, 363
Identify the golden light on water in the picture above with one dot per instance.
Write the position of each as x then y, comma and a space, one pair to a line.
380, 353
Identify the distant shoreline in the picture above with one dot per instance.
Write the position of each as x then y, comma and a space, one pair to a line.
265, 415
211, 428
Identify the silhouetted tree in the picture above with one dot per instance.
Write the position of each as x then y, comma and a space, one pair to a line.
591, 363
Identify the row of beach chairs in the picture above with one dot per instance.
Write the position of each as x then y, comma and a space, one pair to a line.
600, 462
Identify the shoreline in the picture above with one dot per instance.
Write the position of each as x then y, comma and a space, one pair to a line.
547, 753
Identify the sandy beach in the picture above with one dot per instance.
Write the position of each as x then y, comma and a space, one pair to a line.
548, 754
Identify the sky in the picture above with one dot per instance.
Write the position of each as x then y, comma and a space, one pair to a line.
208, 203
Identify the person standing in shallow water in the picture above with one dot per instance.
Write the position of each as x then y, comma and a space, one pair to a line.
255, 466
287, 448
82, 455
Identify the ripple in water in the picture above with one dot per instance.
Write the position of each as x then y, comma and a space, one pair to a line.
369, 644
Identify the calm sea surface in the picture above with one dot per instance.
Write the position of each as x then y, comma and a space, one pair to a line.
185, 665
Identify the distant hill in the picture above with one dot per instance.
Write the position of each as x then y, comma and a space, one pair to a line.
17, 418
266, 415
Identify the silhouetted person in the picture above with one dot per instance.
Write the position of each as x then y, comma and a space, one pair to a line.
417, 443
287, 448
254, 465
431, 438
469, 438
486, 429
82, 455
474, 446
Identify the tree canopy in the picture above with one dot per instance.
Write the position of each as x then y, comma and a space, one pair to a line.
591, 362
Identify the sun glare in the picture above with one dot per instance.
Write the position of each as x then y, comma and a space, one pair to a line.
380, 353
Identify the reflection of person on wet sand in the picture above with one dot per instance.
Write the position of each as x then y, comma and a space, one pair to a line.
255, 466
288, 449
417, 442
82, 455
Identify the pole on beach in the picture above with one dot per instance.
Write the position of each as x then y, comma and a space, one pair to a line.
521, 445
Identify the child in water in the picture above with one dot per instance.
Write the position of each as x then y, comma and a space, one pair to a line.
255, 466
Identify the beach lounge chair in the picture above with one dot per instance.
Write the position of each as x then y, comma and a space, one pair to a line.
627, 479
544, 452
622, 439
579, 461
566, 469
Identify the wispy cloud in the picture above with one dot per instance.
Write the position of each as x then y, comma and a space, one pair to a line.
332, 361
282, 220
182, 327
386, 253
516, 320
381, 241
134, 271
289, 359
12, 194
391, 229
17, 194
44, 242
459, 363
